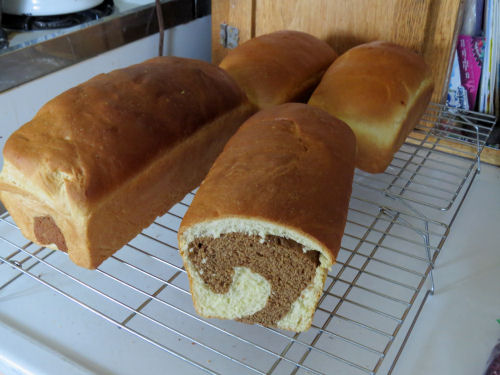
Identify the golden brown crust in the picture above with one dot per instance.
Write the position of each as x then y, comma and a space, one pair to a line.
91, 131
380, 90
291, 165
104, 159
280, 67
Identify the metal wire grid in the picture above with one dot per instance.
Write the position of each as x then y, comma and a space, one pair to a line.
144, 290
370, 296
421, 172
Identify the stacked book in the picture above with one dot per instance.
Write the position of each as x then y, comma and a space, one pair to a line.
475, 77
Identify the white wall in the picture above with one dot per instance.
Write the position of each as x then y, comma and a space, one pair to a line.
19, 105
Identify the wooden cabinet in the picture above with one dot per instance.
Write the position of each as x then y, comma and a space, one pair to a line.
427, 26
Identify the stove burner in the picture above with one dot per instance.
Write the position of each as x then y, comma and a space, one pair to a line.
26, 22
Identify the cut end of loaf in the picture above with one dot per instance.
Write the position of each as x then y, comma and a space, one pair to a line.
254, 271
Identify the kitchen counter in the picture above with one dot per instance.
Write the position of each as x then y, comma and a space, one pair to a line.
455, 333
42, 332
457, 328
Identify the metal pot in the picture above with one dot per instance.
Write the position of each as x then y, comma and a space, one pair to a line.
4, 41
47, 7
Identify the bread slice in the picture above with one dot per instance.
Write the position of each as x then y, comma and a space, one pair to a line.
266, 224
101, 161
280, 67
380, 90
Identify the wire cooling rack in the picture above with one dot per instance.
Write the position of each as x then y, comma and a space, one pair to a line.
372, 296
421, 172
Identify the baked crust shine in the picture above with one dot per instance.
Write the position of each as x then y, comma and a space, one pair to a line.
280, 67
380, 90
287, 173
105, 158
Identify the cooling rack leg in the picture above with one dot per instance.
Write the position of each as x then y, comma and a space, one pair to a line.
424, 234
403, 344
478, 149
478, 141
429, 257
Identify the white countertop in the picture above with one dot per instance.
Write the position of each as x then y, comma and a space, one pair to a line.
455, 333
457, 328
41, 332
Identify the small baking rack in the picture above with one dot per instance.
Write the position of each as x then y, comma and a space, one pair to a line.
397, 224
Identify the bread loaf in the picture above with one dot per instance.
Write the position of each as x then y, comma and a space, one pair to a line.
101, 161
280, 67
266, 224
381, 91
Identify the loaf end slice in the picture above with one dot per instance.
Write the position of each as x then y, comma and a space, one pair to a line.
274, 275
